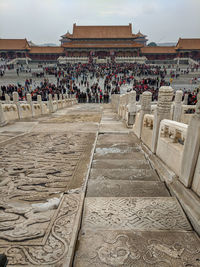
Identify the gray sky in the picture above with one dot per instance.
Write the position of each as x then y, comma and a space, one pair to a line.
44, 21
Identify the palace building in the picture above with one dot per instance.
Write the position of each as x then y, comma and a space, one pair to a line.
100, 42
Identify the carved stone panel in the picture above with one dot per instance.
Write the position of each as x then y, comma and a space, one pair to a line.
39, 210
128, 213
137, 249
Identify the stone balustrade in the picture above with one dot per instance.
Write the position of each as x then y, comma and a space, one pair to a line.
173, 147
16, 110
187, 111
171, 140
147, 130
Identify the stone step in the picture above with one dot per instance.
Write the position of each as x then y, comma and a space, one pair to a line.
120, 164
115, 153
117, 138
137, 249
121, 148
124, 174
114, 127
134, 213
119, 188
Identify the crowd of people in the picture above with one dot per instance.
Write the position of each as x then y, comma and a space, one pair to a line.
93, 83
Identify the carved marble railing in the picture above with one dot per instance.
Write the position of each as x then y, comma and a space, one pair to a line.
14, 110
147, 130
187, 112
170, 146
173, 147
10, 112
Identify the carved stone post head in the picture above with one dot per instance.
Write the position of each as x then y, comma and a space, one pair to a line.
197, 112
146, 101
164, 99
7, 98
15, 97
178, 96
185, 101
29, 98
39, 98
132, 97
50, 97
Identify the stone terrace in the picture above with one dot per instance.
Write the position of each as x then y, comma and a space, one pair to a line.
77, 189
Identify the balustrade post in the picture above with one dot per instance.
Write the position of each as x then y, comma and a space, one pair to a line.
145, 109
191, 147
2, 116
50, 103
178, 106
16, 102
162, 112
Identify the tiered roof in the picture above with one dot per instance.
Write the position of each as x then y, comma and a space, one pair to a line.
158, 50
14, 44
101, 32
188, 44
46, 50
102, 44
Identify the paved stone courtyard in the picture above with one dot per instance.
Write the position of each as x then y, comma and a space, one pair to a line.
77, 190
11, 77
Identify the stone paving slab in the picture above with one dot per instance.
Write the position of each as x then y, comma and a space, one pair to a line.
68, 127
73, 118
18, 127
122, 147
117, 139
118, 188
129, 213
137, 249
115, 154
120, 164
124, 174
113, 127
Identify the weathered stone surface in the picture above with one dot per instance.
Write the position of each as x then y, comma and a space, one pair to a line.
124, 174
19, 127
40, 162
122, 147
38, 224
117, 153
73, 118
118, 188
134, 214
120, 164
50, 243
137, 249
66, 127
117, 139
113, 127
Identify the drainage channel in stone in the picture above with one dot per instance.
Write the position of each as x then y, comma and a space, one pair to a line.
129, 218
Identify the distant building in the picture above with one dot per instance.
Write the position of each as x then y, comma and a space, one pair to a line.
100, 42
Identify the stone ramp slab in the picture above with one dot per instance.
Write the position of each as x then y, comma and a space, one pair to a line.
137, 249
124, 174
118, 188
132, 213
56, 246
120, 164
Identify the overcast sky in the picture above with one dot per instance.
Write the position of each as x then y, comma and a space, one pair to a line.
44, 21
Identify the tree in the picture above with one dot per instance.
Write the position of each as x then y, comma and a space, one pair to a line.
152, 44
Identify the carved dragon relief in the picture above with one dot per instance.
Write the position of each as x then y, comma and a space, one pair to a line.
36, 219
